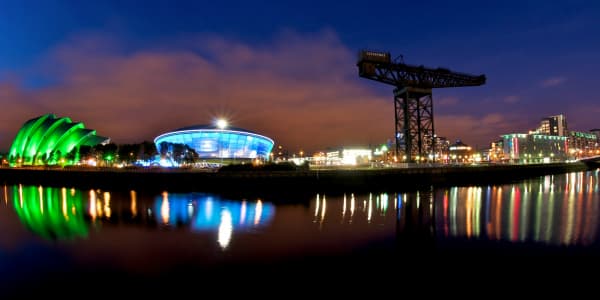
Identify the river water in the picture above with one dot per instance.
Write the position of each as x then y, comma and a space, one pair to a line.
57, 235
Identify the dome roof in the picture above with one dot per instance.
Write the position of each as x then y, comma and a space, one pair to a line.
210, 141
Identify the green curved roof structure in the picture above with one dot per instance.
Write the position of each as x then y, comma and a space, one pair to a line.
46, 139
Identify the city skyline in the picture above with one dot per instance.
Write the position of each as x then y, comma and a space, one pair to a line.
289, 71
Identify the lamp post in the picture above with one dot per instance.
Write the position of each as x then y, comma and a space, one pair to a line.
221, 124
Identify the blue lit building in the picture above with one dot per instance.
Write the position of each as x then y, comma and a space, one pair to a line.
212, 142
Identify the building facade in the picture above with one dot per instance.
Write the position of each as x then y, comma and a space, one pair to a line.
554, 125
596, 132
534, 148
349, 156
222, 143
582, 144
496, 151
460, 152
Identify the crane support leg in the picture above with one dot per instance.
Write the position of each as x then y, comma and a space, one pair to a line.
415, 137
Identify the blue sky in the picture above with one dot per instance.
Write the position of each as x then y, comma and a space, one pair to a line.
295, 63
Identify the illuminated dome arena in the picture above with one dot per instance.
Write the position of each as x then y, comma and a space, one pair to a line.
219, 142
46, 140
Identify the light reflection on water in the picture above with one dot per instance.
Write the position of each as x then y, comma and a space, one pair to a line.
50, 213
205, 212
554, 209
557, 210
201, 212
135, 231
54, 214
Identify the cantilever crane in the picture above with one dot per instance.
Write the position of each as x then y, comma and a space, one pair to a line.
412, 98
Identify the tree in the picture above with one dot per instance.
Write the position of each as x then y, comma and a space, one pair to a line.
85, 152
190, 155
55, 157
180, 153
128, 152
106, 152
73, 155
148, 150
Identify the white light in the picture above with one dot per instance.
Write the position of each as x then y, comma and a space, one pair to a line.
353, 156
225, 229
257, 212
221, 123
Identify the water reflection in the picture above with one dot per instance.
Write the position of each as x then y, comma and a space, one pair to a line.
553, 209
99, 205
61, 214
557, 210
370, 208
51, 213
208, 212
133, 203
204, 212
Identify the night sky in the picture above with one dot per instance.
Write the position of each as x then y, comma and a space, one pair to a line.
135, 69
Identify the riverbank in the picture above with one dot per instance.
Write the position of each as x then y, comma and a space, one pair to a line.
282, 182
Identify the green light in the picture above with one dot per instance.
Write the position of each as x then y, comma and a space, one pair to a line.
51, 213
46, 139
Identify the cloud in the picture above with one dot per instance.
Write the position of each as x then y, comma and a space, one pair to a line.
553, 81
583, 117
447, 101
301, 90
15, 104
478, 130
511, 99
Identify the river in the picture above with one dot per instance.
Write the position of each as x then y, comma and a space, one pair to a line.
56, 235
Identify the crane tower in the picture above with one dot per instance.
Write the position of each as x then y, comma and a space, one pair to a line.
413, 105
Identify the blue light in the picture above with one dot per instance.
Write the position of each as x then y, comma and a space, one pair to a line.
206, 211
219, 143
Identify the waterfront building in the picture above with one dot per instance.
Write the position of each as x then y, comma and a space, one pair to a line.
460, 152
48, 140
382, 154
217, 142
582, 144
596, 132
527, 148
442, 148
349, 156
554, 125
496, 152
